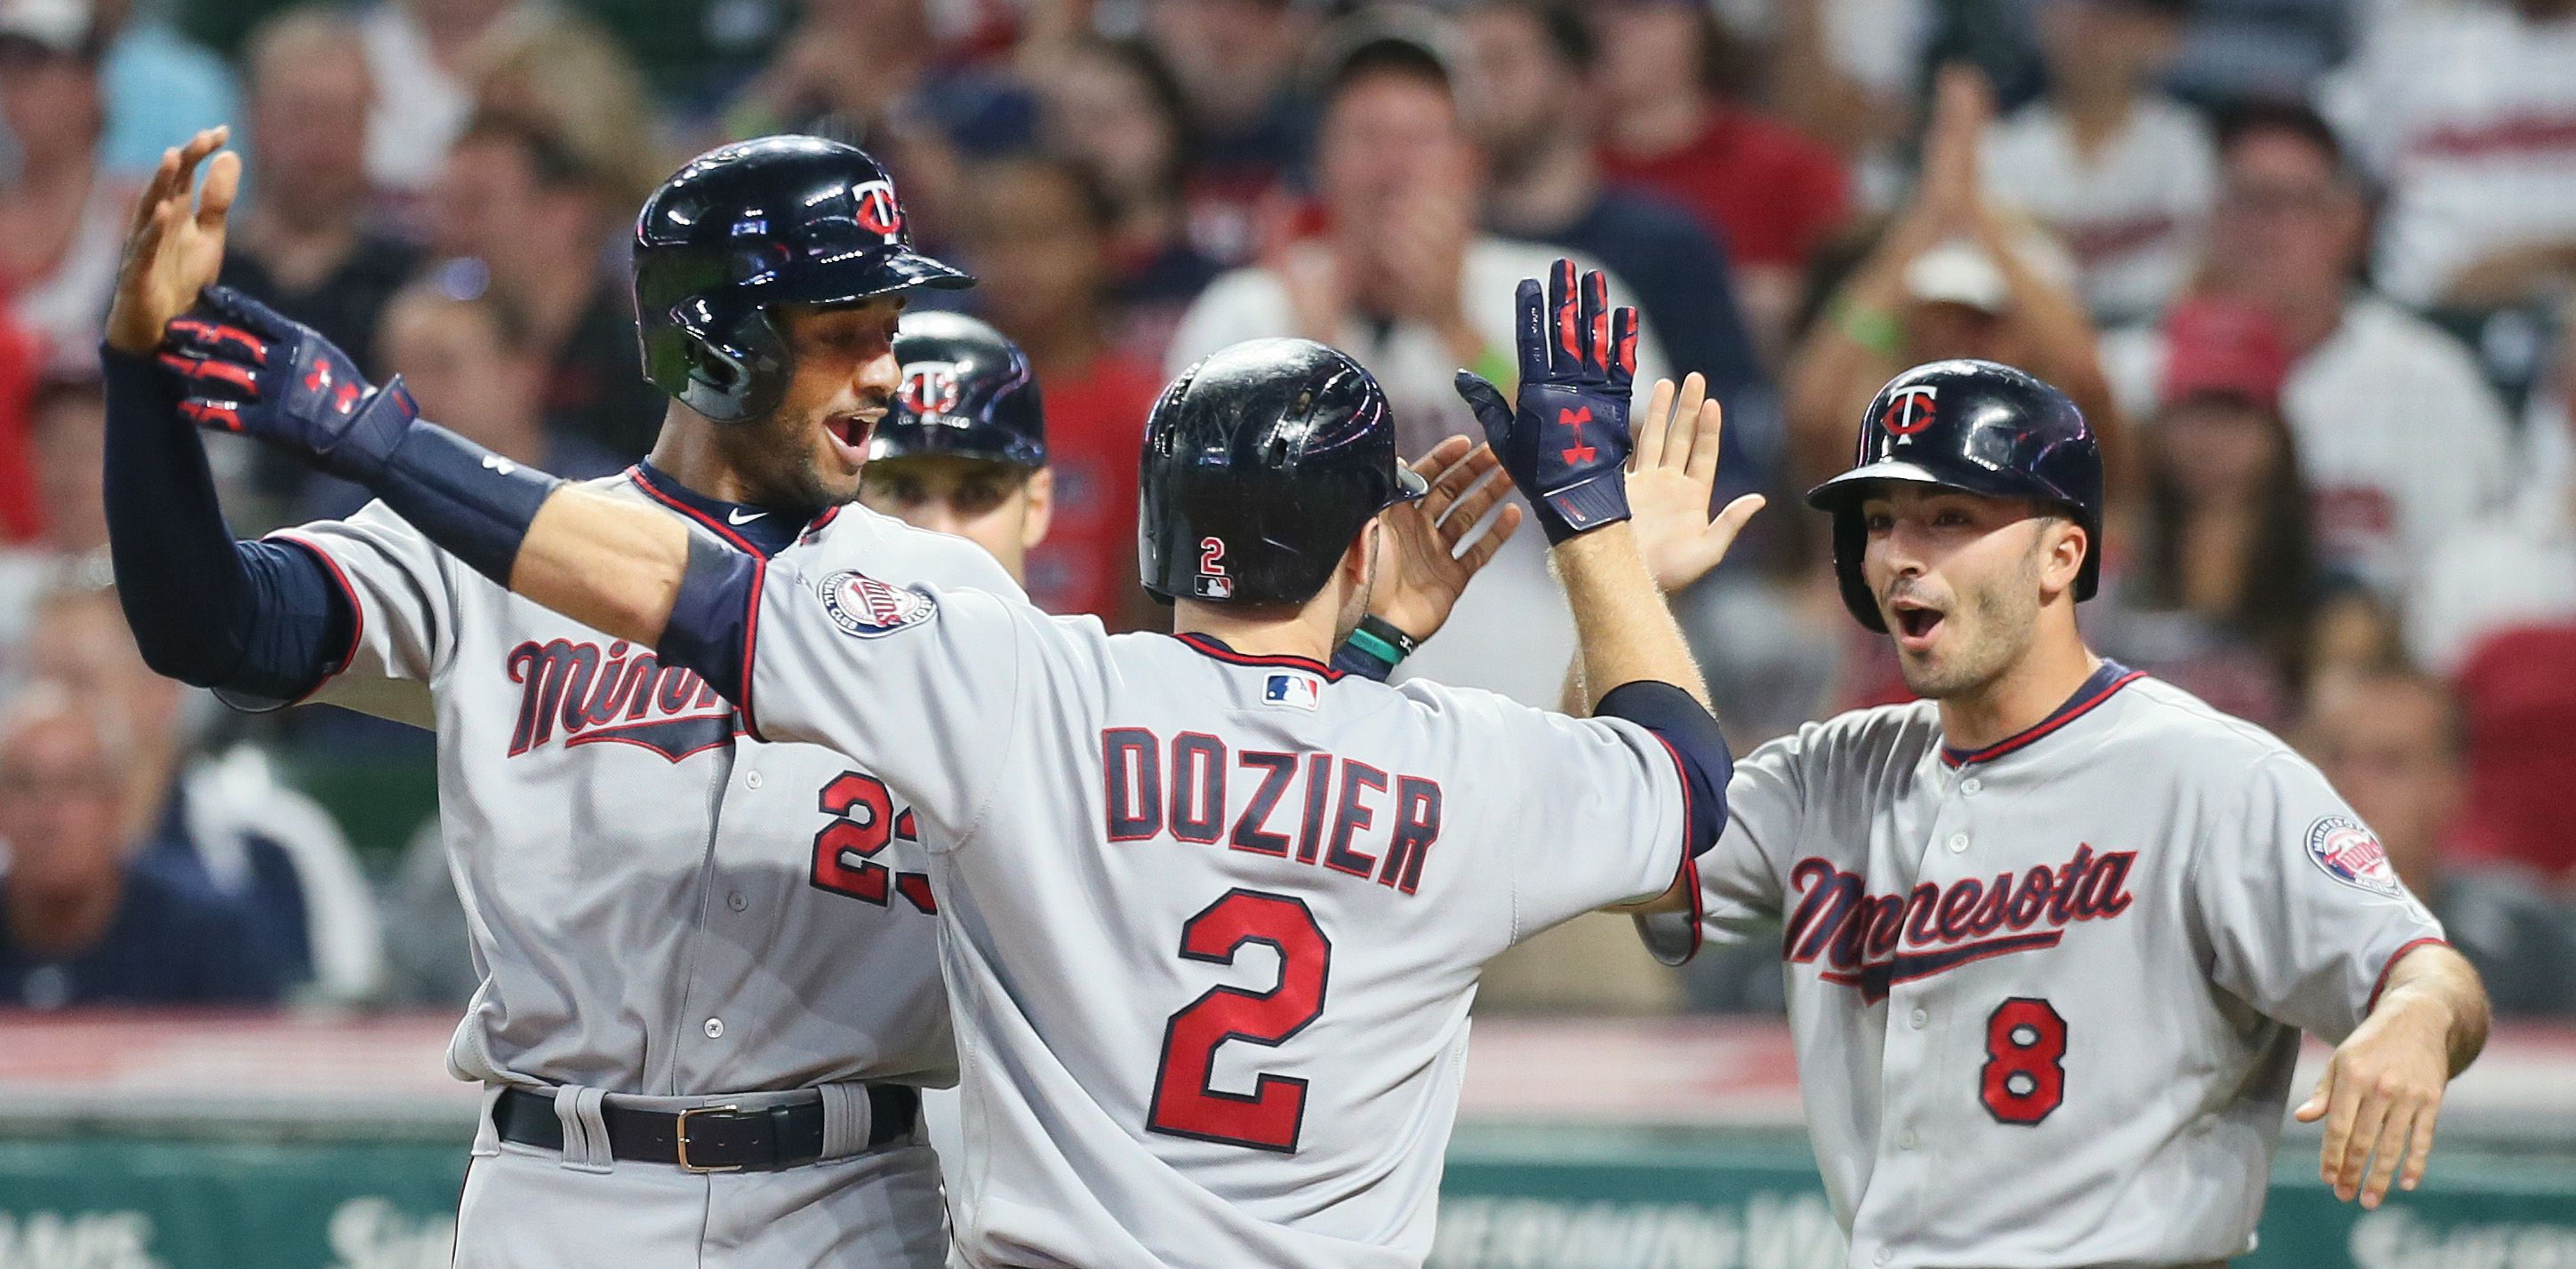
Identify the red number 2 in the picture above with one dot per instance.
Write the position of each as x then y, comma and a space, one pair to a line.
1267, 1118
2025, 1073
1211, 557
844, 852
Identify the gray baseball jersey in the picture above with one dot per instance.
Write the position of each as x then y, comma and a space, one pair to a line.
658, 904
1211, 923
2047, 995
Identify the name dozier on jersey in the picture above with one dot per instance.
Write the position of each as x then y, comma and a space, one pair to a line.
1132, 763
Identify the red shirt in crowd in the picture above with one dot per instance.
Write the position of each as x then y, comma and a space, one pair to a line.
21, 519
2518, 709
1095, 429
1769, 192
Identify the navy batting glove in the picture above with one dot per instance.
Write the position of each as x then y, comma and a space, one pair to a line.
1566, 441
247, 368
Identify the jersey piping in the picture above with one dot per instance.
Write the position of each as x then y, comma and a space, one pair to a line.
1211, 646
2104, 683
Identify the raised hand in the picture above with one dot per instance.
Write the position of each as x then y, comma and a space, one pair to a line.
175, 244
1565, 441
1424, 571
247, 368
1672, 477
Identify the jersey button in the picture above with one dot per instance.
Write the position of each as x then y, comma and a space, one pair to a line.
1883, 1256
715, 1028
1908, 1141
1958, 843
751, 781
1922, 1017
736, 902
1970, 785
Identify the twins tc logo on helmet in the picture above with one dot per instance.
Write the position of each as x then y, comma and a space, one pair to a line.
1910, 410
863, 606
2349, 853
931, 389
877, 210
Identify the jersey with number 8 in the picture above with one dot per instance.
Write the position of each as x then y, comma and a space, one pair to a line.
2048, 995
1210, 923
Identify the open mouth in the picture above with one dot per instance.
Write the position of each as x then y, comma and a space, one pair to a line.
849, 434
1916, 622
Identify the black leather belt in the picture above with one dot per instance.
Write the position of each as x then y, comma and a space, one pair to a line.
710, 1138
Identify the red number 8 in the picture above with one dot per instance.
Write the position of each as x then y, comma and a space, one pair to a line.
2025, 1073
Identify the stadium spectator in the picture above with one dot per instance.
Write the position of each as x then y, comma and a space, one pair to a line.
2217, 590
2467, 114
1535, 115
65, 433
567, 71
22, 512
1237, 62
1771, 196
86, 917
2390, 743
1949, 277
1402, 280
224, 818
309, 244
420, 56
2399, 437
62, 214
1114, 108
1038, 239
467, 360
2122, 174
530, 215
161, 86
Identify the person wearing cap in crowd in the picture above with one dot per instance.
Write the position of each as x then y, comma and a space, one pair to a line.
963, 449
60, 209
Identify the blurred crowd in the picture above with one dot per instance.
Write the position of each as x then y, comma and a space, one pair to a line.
2307, 265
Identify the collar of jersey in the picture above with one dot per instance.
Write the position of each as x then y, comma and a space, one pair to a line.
1211, 646
2105, 681
764, 531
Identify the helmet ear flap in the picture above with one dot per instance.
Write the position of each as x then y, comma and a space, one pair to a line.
737, 369
1851, 540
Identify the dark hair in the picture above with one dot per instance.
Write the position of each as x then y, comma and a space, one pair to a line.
2295, 118
2277, 598
1388, 55
556, 164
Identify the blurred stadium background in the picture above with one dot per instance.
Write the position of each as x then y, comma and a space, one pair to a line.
2306, 263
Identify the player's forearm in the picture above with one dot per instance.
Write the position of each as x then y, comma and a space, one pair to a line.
1625, 630
613, 566
2445, 987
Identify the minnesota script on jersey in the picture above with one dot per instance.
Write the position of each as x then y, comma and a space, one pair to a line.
658, 903
2047, 995
1211, 922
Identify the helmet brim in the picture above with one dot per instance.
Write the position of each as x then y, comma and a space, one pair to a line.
867, 277
1409, 485
1835, 493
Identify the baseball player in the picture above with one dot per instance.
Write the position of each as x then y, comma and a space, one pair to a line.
2051, 933
962, 449
710, 983
1211, 912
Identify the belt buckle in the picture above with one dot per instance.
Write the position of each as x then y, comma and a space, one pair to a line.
682, 1134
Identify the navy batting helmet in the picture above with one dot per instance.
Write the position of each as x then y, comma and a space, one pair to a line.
966, 391
778, 220
1261, 463
1975, 426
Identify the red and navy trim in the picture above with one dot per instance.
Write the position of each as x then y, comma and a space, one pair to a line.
750, 641
670, 493
1210, 646
357, 613
2101, 686
2391, 966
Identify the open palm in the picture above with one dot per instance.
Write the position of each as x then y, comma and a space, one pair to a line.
1672, 477
1423, 571
175, 246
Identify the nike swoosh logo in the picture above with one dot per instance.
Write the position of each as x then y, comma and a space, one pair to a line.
736, 516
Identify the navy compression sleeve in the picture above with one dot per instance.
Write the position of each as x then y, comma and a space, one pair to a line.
1685, 725
261, 620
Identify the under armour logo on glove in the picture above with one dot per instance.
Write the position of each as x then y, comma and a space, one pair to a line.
1566, 444
249, 369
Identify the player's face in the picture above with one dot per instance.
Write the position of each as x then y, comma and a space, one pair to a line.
995, 505
1960, 581
807, 453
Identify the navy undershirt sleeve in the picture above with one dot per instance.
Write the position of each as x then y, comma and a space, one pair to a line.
264, 621
1684, 724
710, 628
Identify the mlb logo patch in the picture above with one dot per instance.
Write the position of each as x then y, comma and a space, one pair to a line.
1293, 691
863, 606
2347, 852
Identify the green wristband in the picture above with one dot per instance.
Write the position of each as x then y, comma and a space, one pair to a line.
1376, 647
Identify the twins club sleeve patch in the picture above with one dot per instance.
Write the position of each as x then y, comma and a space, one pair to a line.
863, 606
2348, 852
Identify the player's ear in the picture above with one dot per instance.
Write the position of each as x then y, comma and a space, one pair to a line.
1040, 507
2062, 543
